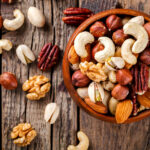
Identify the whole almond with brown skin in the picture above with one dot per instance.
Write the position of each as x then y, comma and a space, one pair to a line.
96, 48
88, 49
147, 28
8, 81
73, 58
98, 107
1, 22
120, 92
123, 111
113, 22
145, 56
124, 76
143, 100
79, 79
98, 29
119, 37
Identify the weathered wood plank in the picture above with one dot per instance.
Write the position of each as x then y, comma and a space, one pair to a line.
105, 135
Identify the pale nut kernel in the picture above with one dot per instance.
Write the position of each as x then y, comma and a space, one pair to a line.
112, 76
5, 45
51, 113
107, 95
75, 67
83, 92
16, 23
113, 105
25, 54
138, 19
36, 17
107, 85
83, 144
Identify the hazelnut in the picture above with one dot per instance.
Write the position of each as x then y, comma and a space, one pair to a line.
98, 29
79, 79
113, 22
8, 81
124, 76
147, 28
119, 37
1, 22
120, 92
96, 48
145, 56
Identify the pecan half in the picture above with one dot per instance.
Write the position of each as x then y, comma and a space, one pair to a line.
75, 16
48, 57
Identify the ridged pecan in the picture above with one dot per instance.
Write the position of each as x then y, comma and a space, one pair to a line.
48, 57
75, 16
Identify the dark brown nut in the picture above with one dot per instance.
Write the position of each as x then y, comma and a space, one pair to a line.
98, 29
8, 81
119, 37
124, 76
147, 28
79, 79
120, 92
7, 1
76, 16
113, 22
48, 57
96, 48
1, 22
145, 56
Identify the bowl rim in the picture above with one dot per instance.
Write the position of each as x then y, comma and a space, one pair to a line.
66, 68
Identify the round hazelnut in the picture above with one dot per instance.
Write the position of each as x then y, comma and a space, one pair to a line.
113, 22
124, 76
98, 29
119, 37
79, 79
8, 81
96, 48
145, 56
120, 92
147, 28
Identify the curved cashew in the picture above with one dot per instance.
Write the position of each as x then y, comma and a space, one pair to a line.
6, 45
139, 20
25, 54
80, 41
126, 52
139, 33
16, 23
108, 51
84, 142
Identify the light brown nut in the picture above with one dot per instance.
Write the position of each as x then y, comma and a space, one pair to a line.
145, 56
123, 111
113, 105
37, 87
147, 28
93, 71
88, 57
143, 100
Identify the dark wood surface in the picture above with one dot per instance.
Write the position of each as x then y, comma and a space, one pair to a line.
16, 108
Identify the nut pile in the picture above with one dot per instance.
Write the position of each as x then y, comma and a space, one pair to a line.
110, 65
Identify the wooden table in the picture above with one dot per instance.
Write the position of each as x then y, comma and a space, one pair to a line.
16, 108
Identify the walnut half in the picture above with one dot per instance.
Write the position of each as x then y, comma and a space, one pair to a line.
23, 134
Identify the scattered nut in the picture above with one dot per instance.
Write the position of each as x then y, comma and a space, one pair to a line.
113, 105
80, 41
1, 22
5, 45
51, 112
37, 86
8, 81
16, 23
84, 142
145, 56
112, 76
120, 92
79, 79
98, 29
83, 92
25, 54
93, 71
125, 20
23, 134
138, 19
108, 51
107, 85
36, 17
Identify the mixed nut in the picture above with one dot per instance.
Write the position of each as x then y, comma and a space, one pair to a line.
112, 66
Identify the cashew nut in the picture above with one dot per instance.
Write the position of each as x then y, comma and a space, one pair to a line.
5, 45
83, 92
126, 52
80, 41
108, 51
84, 142
36, 17
112, 76
16, 23
139, 20
25, 54
139, 33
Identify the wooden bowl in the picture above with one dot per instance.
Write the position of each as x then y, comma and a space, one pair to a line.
66, 68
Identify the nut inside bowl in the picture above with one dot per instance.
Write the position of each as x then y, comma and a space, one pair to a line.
66, 66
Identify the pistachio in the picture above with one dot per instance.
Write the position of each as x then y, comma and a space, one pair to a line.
82, 92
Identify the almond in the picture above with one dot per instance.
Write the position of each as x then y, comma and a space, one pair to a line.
98, 107
143, 100
73, 58
88, 58
123, 111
